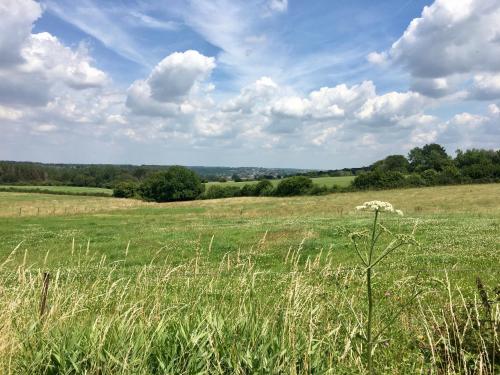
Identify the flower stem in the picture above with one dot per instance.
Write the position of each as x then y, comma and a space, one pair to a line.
369, 344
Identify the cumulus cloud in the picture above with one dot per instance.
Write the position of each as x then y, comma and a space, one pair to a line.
450, 43
51, 90
390, 108
176, 75
33, 65
44, 53
451, 37
17, 19
170, 83
251, 96
486, 86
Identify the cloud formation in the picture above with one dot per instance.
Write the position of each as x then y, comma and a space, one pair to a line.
451, 43
56, 94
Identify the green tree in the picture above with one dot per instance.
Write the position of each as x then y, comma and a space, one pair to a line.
125, 189
393, 163
263, 187
479, 164
221, 191
175, 184
431, 156
296, 185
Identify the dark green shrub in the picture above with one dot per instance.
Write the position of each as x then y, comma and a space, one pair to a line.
394, 163
175, 184
248, 190
430, 177
263, 187
296, 185
367, 180
221, 191
318, 190
415, 180
392, 180
449, 175
125, 189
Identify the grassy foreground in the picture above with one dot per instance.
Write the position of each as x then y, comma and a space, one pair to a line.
246, 285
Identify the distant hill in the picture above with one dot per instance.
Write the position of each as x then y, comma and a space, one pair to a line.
106, 175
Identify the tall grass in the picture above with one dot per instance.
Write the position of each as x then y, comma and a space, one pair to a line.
191, 318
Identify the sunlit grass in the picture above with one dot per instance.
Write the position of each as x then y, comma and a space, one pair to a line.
244, 285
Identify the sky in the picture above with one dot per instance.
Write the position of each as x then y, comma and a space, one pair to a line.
272, 83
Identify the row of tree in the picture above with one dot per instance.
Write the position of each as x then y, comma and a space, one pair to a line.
179, 184
431, 165
109, 175
426, 166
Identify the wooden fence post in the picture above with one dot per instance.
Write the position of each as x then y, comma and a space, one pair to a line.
45, 292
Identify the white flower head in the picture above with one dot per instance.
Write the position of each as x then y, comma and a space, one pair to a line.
378, 206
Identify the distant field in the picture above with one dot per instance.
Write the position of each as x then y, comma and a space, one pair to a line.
57, 189
327, 181
243, 285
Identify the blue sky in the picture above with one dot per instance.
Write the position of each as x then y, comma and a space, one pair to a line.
279, 83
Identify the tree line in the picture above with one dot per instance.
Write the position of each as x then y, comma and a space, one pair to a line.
423, 166
430, 165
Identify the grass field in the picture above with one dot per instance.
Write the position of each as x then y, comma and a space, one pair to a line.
327, 181
246, 285
58, 189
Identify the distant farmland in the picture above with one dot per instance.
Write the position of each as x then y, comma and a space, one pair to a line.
70, 190
327, 181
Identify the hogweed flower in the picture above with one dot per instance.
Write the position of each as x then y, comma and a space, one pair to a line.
378, 206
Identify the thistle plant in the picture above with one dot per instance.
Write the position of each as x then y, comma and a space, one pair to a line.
371, 258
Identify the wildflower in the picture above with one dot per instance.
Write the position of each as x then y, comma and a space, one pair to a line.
378, 206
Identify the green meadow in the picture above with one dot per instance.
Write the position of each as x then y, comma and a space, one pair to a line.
248, 285
341, 181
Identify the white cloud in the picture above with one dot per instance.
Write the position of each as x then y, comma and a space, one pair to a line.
452, 41
143, 20
341, 99
486, 86
451, 36
291, 106
15, 28
494, 109
390, 108
377, 58
279, 6
45, 128
7, 113
43, 67
253, 95
171, 86
176, 75
44, 54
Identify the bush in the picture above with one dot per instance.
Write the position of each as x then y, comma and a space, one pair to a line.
430, 177
125, 189
263, 187
221, 191
318, 190
175, 184
415, 180
379, 180
449, 175
248, 190
296, 185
